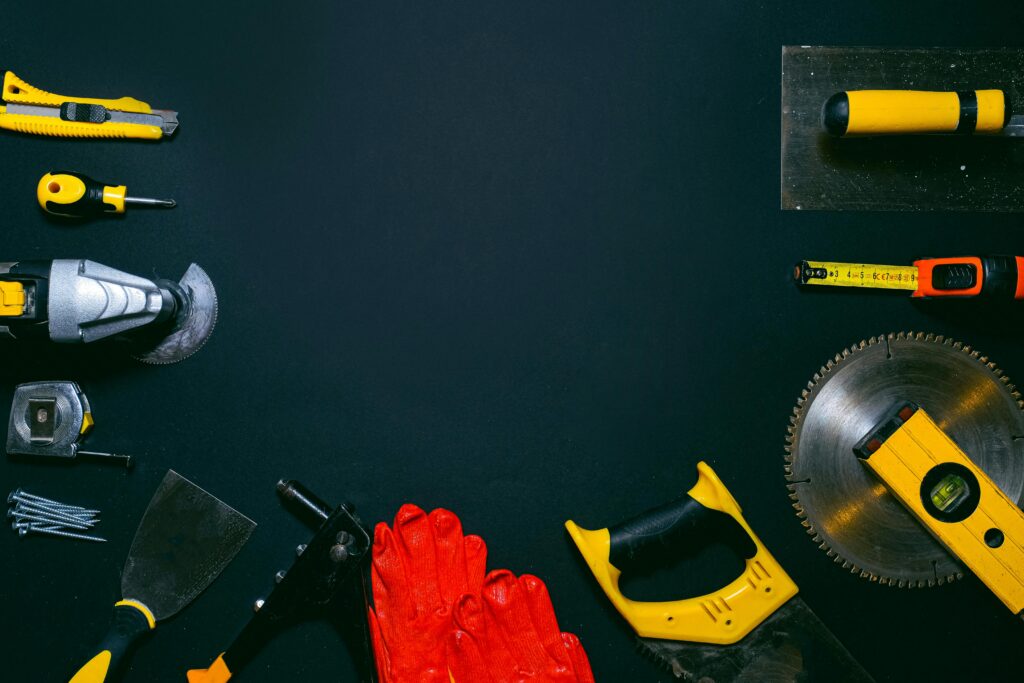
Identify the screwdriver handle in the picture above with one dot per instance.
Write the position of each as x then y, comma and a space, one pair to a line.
73, 195
899, 112
132, 620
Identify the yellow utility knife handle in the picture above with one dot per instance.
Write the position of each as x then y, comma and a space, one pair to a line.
722, 617
131, 621
18, 91
897, 112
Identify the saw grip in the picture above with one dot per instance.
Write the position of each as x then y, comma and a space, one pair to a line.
721, 617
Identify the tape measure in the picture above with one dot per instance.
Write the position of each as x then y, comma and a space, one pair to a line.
951, 497
966, 276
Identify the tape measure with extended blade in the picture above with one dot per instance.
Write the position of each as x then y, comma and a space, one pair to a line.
952, 497
999, 277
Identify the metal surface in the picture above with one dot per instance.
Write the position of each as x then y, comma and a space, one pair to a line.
89, 301
184, 541
166, 120
928, 172
848, 512
193, 325
69, 408
790, 646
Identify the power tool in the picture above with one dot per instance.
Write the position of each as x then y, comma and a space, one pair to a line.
75, 301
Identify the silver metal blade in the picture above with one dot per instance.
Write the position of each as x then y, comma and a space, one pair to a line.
195, 325
165, 119
790, 646
184, 541
848, 511
1015, 128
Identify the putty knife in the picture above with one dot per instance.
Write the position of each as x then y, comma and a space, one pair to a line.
185, 539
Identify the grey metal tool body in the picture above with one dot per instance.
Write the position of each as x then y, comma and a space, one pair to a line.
49, 419
184, 541
849, 515
73, 301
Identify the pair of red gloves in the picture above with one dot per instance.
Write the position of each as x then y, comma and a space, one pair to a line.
438, 618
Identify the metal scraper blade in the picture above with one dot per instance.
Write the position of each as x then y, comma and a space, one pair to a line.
790, 646
194, 324
184, 541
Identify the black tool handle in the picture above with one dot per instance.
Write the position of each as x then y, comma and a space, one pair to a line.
683, 521
130, 623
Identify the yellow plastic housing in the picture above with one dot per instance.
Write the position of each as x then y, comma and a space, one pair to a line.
888, 112
18, 91
722, 617
912, 452
12, 299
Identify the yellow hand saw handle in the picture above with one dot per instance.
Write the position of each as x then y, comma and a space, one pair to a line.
897, 112
708, 509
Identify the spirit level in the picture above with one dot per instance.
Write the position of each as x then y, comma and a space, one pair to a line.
952, 497
1000, 277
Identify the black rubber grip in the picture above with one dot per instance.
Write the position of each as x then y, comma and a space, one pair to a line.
84, 113
127, 628
682, 521
999, 277
835, 115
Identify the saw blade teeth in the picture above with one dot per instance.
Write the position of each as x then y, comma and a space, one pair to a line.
929, 337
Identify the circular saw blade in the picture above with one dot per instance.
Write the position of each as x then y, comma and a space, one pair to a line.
847, 510
194, 326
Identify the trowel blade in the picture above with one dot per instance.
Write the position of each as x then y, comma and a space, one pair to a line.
184, 541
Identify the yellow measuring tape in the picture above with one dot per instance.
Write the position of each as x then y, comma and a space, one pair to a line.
856, 275
952, 498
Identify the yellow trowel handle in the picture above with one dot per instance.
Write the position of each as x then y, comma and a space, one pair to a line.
707, 512
897, 112
132, 620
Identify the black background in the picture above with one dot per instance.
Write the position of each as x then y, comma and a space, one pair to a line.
523, 260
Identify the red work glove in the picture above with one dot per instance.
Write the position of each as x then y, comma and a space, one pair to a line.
420, 569
508, 634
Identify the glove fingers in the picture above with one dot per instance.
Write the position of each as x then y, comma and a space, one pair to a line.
476, 563
390, 583
415, 535
452, 571
475, 623
506, 603
380, 652
542, 614
578, 657
465, 661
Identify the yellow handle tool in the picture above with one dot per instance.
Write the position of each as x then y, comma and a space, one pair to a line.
896, 112
132, 620
28, 109
722, 617
956, 501
73, 195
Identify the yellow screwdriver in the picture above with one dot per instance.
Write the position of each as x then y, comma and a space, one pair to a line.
74, 195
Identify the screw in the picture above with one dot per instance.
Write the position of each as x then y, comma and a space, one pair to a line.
46, 520
300, 549
32, 509
54, 532
279, 577
343, 537
30, 525
256, 606
339, 553
23, 496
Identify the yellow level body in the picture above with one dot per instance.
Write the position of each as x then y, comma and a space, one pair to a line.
938, 483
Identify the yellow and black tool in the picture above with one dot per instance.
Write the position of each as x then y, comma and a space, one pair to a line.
754, 628
853, 113
952, 497
73, 195
996, 277
184, 541
28, 109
